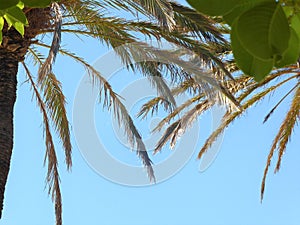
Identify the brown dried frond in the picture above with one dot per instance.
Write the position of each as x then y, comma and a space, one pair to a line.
283, 136
179, 109
46, 67
55, 104
230, 117
178, 128
112, 102
52, 174
152, 106
169, 134
267, 80
238, 84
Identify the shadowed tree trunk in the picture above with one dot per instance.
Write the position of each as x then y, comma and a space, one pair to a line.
12, 51
8, 86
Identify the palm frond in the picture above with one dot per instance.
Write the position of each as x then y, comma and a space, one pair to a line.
283, 136
267, 80
199, 26
230, 117
36, 56
278, 103
152, 106
176, 112
55, 103
168, 135
46, 68
174, 132
159, 9
111, 101
52, 179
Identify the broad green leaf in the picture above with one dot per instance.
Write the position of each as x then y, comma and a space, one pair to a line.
37, 3
20, 5
5, 4
292, 53
19, 27
248, 63
1, 23
214, 7
16, 15
295, 23
264, 31
242, 7
1, 27
288, 10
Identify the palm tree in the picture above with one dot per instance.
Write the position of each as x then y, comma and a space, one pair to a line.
161, 20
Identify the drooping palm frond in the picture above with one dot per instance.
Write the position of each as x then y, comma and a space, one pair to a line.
230, 117
176, 112
153, 106
168, 135
187, 85
50, 156
55, 102
113, 32
174, 132
46, 68
111, 101
283, 135
278, 103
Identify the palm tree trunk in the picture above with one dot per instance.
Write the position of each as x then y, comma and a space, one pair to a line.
8, 87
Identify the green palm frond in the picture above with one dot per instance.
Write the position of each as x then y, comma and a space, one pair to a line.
160, 9
190, 21
115, 32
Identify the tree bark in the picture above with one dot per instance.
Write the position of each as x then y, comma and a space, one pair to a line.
12, 51
8, 87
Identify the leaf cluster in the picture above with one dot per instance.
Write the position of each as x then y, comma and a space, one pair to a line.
12, 12
264, 33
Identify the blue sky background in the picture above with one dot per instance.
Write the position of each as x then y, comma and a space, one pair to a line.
228, 192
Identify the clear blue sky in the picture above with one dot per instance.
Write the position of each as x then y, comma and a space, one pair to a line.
228, 192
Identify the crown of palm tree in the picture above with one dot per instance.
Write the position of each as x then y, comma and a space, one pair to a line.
163, 20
